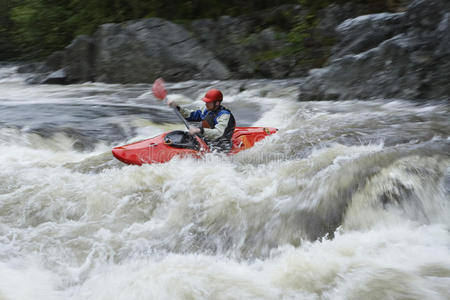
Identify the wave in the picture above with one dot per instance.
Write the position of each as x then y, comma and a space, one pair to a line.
347, 200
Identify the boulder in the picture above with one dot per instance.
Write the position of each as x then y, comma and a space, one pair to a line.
228, 38
365, 32
55, 60
35, 67
78, 59
141, 51
426, 14
412, 64
334, 14
57, 77
250, 45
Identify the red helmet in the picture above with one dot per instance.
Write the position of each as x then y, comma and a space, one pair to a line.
213, 95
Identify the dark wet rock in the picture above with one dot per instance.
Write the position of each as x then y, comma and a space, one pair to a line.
412, 64
426, 14
144, 50
78, 59
55, 60
249, 46
334, 14
34, 67
132, 52
379, 55
36, 78
366, 32
73, 64
57, 77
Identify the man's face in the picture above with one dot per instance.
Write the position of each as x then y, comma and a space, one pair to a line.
212, 106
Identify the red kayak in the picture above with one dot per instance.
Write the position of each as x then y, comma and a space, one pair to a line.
164, 147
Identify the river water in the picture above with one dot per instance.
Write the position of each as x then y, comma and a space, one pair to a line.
349, 200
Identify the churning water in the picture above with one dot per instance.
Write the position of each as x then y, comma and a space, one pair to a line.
349, 200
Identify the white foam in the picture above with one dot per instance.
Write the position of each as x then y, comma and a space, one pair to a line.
23, 282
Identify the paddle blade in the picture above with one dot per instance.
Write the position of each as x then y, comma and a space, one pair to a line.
158, 89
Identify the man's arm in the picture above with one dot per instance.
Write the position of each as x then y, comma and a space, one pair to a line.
191, 112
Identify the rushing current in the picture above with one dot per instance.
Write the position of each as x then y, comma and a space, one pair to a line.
349, 200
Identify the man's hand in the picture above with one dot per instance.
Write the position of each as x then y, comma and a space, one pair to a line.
171, 103
193, 130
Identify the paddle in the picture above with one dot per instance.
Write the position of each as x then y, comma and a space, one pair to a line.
159, 91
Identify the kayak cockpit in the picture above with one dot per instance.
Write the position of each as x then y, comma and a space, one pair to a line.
181, 139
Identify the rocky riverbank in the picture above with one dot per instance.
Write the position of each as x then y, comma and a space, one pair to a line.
402, 55
391, 55
260, 45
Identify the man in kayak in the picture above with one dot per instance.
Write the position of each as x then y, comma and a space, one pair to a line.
217, 122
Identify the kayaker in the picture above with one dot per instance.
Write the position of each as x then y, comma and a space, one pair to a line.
217, 122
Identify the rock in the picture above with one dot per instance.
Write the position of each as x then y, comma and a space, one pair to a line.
335, 14
73, 64
34, 67
144, 50
228, 39
443, 35
413, 64
327, 32
57, 77
78, 59
365, 32
426, 14
249, 46
55, 60
278, 67
36, 78
379, 55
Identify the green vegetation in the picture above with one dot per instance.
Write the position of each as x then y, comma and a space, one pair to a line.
6, 47
31, 29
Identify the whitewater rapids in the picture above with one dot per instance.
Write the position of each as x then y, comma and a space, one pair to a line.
349, 200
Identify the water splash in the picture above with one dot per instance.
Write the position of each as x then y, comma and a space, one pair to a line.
347, 200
